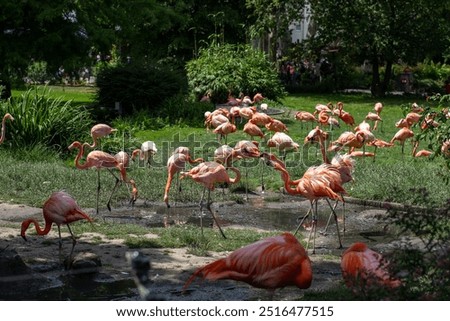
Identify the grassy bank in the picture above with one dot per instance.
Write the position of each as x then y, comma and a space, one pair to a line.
29, 176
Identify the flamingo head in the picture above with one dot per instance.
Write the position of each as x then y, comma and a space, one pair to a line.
75, 144
8, 116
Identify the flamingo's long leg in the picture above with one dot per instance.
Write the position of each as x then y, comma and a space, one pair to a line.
98, 189
336, 220
201, 209
108, 204
74, 242
303, 219
313, 229
263, 188
208, 206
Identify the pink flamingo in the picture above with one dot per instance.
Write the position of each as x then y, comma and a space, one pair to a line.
304, 116
146, 152
99, 160
402, 135
363, 268
61, 209
7, 116
175, 164
270, 263
99, 131
208, 174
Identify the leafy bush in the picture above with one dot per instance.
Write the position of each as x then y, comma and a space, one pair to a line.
425, 271
232, 68
42, 120
37, 72
435, 137
138, 87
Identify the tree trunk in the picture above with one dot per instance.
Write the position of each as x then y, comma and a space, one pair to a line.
387, 76
376, 86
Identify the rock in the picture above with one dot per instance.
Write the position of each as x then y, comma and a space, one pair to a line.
17, 280
85, 262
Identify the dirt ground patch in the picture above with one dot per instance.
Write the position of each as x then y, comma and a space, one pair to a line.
170, 268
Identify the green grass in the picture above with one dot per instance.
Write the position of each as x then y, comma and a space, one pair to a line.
30, 176
173, 237
79, 95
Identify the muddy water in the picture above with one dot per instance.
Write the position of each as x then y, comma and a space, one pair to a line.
361, 224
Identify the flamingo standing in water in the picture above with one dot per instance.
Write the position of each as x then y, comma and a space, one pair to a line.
363, 268
99, 160
175, 164
61, 209
317, 182
208, 174
271, 263
6, 117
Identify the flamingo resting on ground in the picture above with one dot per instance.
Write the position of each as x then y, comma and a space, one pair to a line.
7, 116
99, 160
61, 209
270, 263
208, 174
363, 268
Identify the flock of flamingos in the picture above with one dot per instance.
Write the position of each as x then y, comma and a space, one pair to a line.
273, 262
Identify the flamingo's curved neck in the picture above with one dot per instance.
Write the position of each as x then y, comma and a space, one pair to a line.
287, 180
77, 159
2, 137
238, 175
39, 230
322, 149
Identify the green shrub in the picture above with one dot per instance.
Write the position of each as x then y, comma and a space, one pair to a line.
142, 87
42, 120
232, 68
426, 271
37, 72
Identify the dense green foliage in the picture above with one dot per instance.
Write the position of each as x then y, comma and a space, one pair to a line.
228, 69
138, 87
383, 32
40, 119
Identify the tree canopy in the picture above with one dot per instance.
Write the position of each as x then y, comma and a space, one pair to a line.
73, 32
384, 31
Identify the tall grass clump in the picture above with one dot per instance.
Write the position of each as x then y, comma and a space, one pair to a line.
40, 119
